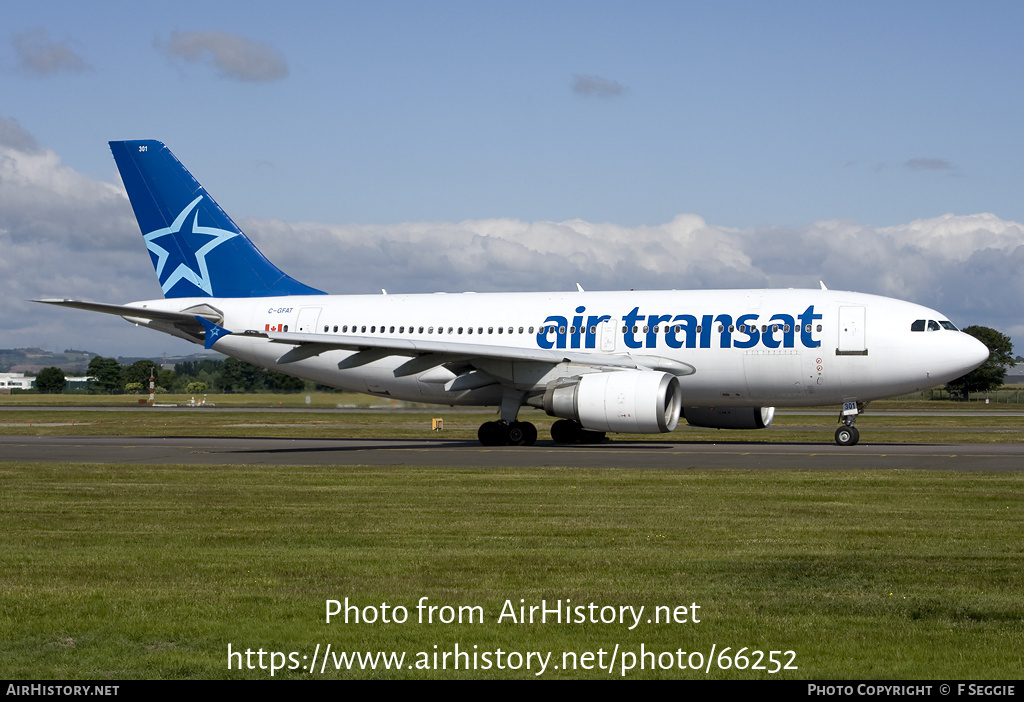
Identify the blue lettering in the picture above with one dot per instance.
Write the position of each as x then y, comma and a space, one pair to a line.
653, 322
682, 330
787, 328
593, 322
630, 321
688, 327
558, 327
747, 324
577, 328
725, 322
806, 326
705, 331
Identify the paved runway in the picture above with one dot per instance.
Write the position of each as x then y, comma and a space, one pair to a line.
663, 455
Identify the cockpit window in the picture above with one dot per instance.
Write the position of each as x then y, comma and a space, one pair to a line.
931, 325
946, 324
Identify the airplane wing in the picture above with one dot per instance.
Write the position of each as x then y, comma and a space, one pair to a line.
428, 353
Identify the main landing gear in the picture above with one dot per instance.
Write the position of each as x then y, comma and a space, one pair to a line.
502, 433
847, 434
564, 431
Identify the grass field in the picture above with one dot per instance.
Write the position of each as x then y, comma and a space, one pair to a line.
121, 571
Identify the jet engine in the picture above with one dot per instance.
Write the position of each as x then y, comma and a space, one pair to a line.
729, 417
645, 402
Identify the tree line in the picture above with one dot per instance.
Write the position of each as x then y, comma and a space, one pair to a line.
109, 377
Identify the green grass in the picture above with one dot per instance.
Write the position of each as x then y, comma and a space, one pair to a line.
120, 571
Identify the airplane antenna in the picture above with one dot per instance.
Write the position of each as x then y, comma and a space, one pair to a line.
822, 284
579, 287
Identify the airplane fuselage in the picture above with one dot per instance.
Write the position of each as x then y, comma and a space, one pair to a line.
745, 347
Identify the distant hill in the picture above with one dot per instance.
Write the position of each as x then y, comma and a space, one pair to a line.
76, 362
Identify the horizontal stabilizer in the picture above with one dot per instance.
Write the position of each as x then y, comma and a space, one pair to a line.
126, 311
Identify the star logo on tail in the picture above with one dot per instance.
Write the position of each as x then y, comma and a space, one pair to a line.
183, 255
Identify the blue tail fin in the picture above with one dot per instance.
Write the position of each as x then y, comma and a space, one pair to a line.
196, 249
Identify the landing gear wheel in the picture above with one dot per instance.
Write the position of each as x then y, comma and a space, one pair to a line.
847, 436
492, 434
529, 433
565, 431
510, 434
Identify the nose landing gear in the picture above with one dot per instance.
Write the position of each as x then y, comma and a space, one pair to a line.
847, 435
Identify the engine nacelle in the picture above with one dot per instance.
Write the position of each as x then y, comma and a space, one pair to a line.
644, 402
729, 417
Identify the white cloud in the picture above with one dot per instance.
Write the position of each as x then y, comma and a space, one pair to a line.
929, 164
234, 57
39, 55
596, 86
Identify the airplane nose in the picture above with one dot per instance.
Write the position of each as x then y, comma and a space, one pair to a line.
973, 352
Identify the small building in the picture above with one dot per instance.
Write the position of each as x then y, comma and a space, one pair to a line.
15, 381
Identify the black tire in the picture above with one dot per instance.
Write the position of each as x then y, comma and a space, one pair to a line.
565, 431
492, 434
529, 433
847, 436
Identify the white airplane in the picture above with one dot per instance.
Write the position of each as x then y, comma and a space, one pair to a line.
600, 361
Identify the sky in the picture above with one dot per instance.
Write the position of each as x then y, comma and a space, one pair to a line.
425, 146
